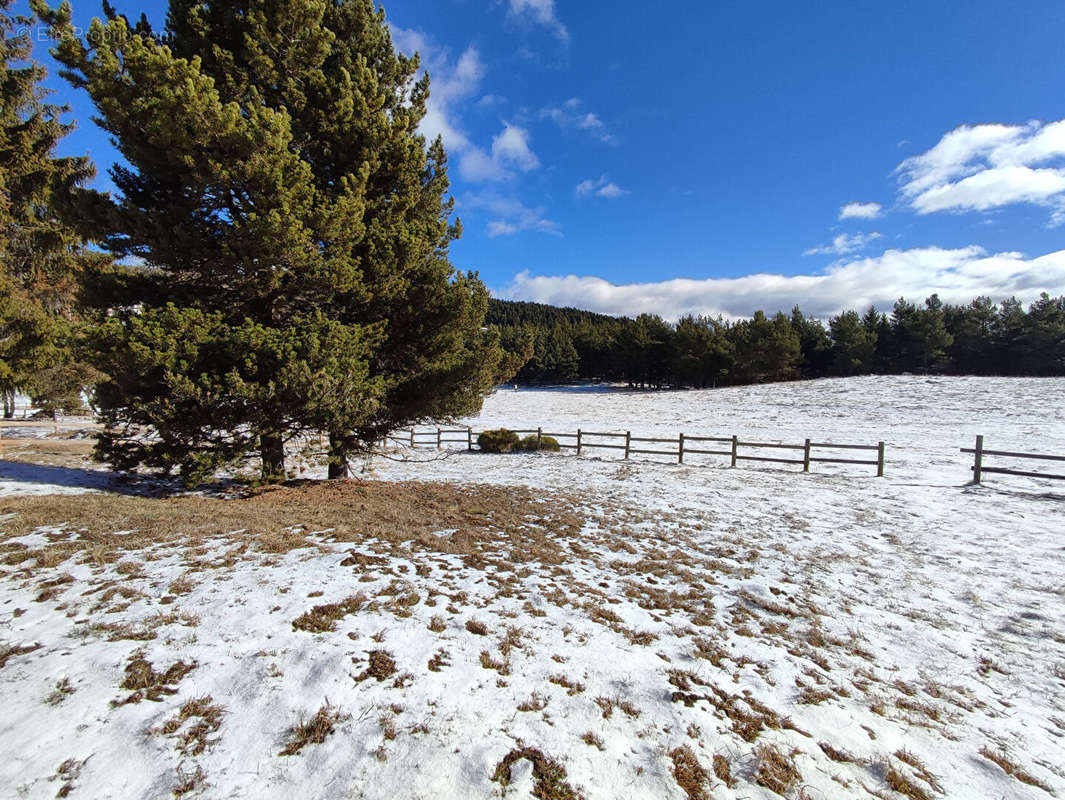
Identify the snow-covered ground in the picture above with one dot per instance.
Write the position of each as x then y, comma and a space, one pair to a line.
683, 631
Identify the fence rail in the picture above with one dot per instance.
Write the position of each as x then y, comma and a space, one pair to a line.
680, 446
978, 468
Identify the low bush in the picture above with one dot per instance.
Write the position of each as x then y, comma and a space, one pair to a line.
498, 441
548, 444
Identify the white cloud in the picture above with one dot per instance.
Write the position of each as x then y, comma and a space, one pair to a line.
600, 188
844, 244
570, 115
541, 12
956, 275
450, 84
510, 214
510, 151
860, 211
982, 167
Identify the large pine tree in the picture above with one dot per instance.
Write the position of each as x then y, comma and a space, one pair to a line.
295, 233
40, 255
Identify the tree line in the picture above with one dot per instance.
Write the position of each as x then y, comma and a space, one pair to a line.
980, 338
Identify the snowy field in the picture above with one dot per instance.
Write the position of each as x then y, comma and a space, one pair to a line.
572, 627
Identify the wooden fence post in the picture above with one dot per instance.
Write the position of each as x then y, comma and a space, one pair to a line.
412, 437
439, 439
680, 450
469, 439
578, 441
806, 456
628, 440
539, 439
880, 459
978, 460
735, 449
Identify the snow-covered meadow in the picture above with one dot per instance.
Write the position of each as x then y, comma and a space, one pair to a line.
580, 627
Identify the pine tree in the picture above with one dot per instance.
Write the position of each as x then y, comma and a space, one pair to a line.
40, 255
296, 228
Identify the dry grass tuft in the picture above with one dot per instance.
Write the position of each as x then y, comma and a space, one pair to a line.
608, 704
313, 731
382, 666
478, 628
904, 786
1002, 759
208, 718
147, 684
189, 781
776, 771
439, 660
537, 702
571, 687
839, 756
323, 618
437, 624
723, 771
593, 740
62, 690
689, 773
548, 775
11, 650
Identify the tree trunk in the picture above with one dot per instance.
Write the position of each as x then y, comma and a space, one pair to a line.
9, 405
272, 451
339, 452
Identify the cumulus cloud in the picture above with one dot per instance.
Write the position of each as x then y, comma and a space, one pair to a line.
982, 167
541, 12
509, 214
956, 275
860, 211
570, 115
844, 244
600, 188
510, 151
452, 83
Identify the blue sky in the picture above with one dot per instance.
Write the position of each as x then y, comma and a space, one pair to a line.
722, 157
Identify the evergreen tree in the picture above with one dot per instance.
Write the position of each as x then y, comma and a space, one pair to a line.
815, 347
853, 346
295, 228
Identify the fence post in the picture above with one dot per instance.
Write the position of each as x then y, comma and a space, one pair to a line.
680, 450
735, 449
539, 439
439, 439
628, 440
578, 441
806, 457
412, 437
880, 460
978, 460
469, 439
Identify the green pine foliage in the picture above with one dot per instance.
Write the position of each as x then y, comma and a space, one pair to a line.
293, 228
501, 440
980, 338
41, 256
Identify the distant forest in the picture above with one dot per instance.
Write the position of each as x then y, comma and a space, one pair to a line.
981, 338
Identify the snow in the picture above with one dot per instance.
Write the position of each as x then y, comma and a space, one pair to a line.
930, 614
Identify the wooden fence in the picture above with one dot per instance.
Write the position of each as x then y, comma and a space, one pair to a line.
979, 469
679, 446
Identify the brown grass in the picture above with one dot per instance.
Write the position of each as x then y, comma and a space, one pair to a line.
323, 618
775, 771
11, 650
476, 627
194, 740
312, 731
571, 687
904, 786
382, 666
723, 771
62, 690
537, 702
487, 520
1002, 759
147, 684
593, 740
689, 773
549, 777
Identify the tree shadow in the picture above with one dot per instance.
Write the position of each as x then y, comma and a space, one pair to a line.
72, 478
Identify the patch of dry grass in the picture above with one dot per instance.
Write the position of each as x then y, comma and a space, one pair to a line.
8, 651
323, 618
382, 666
776, 771
1010, 767
147, 684
549, 777
208, 719
312, 731
689, 773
